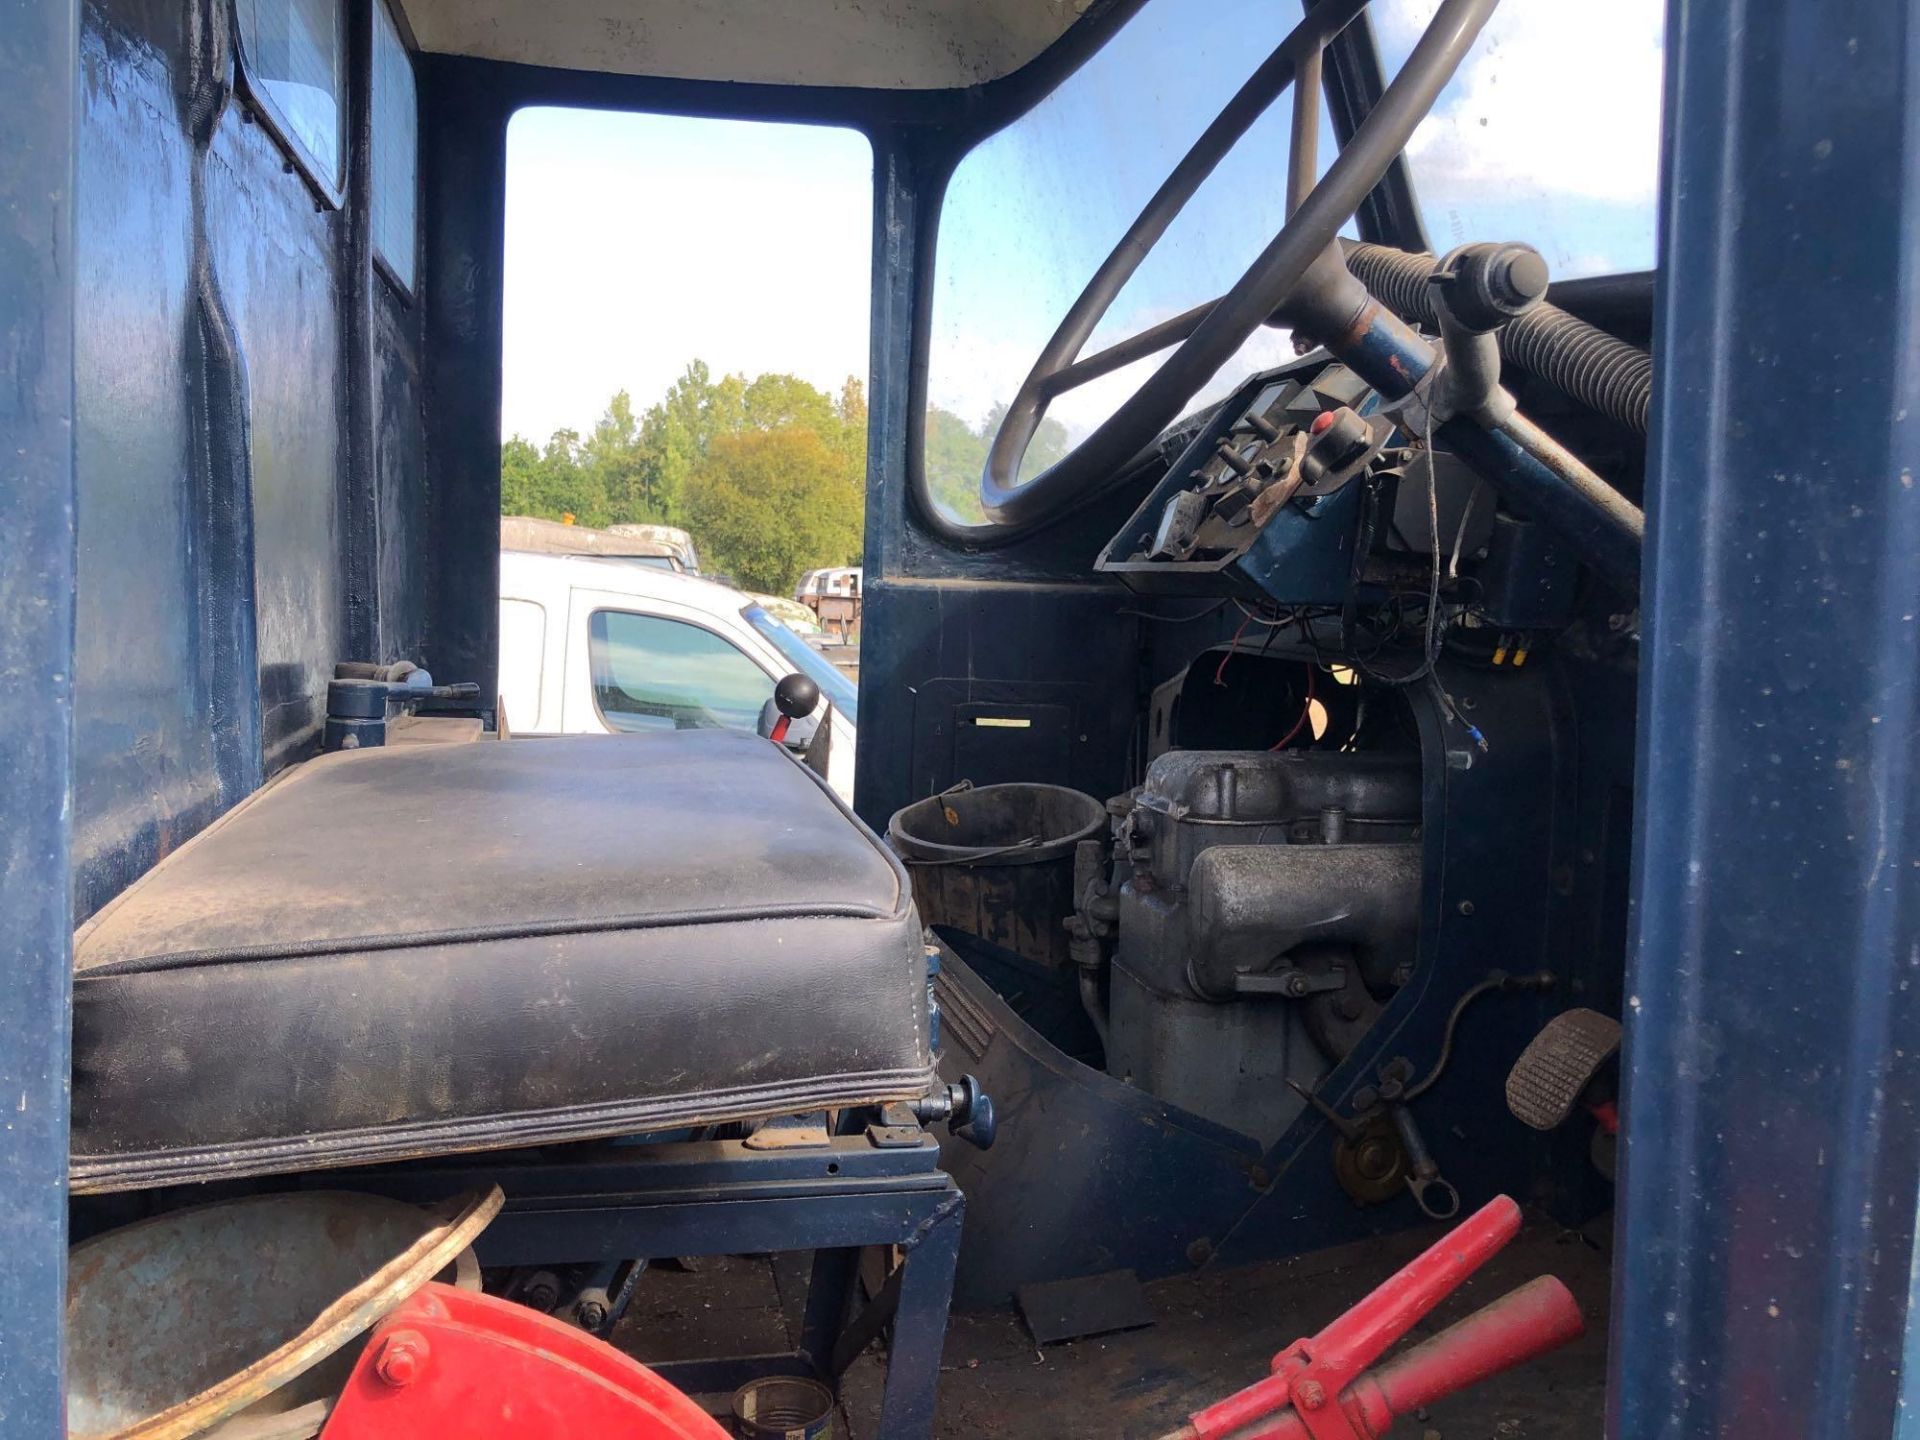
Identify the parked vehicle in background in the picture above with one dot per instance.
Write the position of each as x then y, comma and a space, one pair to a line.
596, 644
834, 595
664, 547
791, 613
676, 541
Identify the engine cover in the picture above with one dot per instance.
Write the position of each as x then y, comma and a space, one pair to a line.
1265, 905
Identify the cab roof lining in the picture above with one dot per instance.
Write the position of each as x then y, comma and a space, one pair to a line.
869, 44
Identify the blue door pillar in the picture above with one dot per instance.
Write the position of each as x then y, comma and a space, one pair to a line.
38, 83
1772, 1101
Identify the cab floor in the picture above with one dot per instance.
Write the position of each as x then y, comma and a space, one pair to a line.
1214, 1332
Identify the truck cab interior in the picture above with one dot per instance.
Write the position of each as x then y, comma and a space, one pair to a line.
1413, 707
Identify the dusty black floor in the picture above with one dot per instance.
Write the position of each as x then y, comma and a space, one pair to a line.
1215, 1331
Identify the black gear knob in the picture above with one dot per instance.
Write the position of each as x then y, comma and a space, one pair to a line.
796, 696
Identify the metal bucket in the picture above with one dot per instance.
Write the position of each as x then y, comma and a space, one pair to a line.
178, 1323
997, 861
782, 1407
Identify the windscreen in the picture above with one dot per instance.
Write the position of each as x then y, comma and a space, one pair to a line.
1549, 134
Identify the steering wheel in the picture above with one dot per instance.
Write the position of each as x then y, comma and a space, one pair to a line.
1209, 334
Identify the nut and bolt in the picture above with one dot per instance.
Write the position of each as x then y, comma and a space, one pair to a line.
1310, 1395
402, 1358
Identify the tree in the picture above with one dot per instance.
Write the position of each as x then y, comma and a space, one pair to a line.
850, 409
956, 453
677, 431
953, 456
615, 456
642, 468
769, 504
551, 483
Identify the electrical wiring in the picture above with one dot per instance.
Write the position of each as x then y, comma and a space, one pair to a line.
1220, 675
1306, 714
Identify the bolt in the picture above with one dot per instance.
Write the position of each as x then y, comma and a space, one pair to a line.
591, 1314
403, 1355
541, 1292
1466, 907
1311, 1395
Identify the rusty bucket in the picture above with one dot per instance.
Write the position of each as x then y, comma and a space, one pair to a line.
183, 1322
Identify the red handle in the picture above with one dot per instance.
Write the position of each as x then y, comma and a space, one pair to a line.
1336, 1356
1540, 1316
1362, 1335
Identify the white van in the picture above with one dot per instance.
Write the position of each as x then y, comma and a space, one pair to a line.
599, 644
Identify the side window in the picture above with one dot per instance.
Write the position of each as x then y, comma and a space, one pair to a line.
396, 147
523, 652
293, 67
651, 673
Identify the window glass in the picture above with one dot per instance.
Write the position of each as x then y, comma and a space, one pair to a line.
396, 145
294, 62
1549, 133
1032, 211
651, 673
833, 682
685, 322
523, 645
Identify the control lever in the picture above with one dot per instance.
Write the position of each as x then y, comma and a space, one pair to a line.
1322, 1389
795, 699
967, 1109
360, 697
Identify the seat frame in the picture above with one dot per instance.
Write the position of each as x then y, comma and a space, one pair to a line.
878, 1192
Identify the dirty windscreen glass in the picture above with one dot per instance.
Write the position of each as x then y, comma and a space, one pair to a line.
1522, 145
1549, 133
1032, 211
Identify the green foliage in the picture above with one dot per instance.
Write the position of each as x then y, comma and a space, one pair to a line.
769, 503
552, 482
641, 468
956, 453
768, 474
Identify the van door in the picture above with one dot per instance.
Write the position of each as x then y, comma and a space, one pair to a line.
661, 667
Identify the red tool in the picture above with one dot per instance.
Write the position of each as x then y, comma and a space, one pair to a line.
1319, 1389
449, 1362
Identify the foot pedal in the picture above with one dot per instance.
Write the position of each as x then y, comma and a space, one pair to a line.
1545, 1082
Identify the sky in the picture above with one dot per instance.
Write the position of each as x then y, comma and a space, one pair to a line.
635, 243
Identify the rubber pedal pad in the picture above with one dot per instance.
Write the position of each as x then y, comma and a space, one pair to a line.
1545, 1082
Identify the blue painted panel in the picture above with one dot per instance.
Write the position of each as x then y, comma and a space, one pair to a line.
1772, 1158
37, 103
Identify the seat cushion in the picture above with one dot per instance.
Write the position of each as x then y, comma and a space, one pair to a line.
432, 948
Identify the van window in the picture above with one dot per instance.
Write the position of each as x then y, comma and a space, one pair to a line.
396, 145
293, 66
523, 653
650, 673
